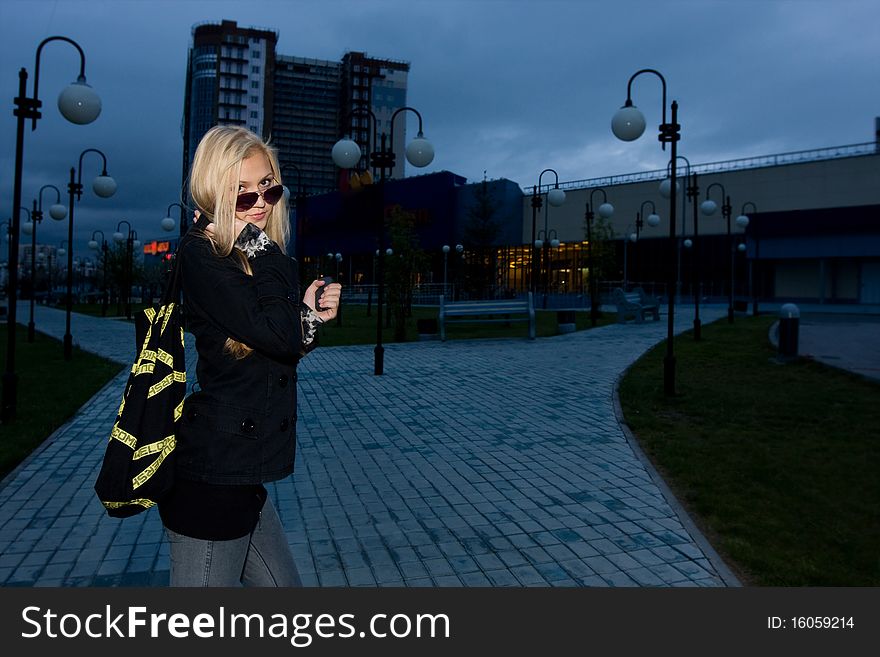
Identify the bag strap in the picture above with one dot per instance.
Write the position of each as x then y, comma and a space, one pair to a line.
173, 287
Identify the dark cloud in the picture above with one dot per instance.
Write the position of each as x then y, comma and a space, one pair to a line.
507, 87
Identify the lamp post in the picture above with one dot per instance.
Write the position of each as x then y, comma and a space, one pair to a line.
606, 210
346, 154
94, 244
299, 205
653, 220
129, 238
57, 212
78, 104
543, 241
709, 207
168, 223
103, 186
30, 228
693, 194
628, 124
743, 221
555, 197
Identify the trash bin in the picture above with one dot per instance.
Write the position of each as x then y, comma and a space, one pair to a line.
789, 320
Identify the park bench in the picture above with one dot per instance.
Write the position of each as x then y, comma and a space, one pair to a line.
502, 310
635, 304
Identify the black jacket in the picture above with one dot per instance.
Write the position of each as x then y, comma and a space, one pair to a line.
239, 427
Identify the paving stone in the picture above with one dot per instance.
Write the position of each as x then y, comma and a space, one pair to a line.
513, 495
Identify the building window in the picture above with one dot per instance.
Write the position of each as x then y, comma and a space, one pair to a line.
255, 69
254, 115
255, 53
255, 84
255, 129
255, 99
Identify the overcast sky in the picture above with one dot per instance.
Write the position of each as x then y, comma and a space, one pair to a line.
509, 87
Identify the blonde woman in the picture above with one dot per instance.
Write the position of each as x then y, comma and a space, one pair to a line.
242, 303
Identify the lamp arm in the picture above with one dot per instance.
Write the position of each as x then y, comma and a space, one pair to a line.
81, 155
638, 73
57, 194
82, 65
394, 116
541, 175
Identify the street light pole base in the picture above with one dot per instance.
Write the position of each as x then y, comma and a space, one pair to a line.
698, 327
669, 375
379, 360
31, 332
10, 385
68, 346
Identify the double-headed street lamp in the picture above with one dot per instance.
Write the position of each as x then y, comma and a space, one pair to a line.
57, 212
544, 240
606, 210
693, 194
78, 104
94, 245
459, 248
555, 197
652, 220
709, 207
346, 154
628, 124
103, 186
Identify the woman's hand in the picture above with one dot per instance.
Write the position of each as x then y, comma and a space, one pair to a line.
329, 299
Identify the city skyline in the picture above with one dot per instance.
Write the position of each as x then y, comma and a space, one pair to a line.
506, 87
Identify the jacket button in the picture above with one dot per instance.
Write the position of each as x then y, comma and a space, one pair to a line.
282, 380
284, 424
248, 426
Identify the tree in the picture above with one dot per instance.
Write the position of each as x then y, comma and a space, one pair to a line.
401, 268
117, 273
480, 233
604, 255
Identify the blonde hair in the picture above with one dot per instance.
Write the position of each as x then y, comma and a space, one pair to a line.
213, 187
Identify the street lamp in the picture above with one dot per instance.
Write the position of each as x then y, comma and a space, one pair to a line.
693, 194
78, 104
709, 207
103, 186
93, 244
653, 220
299, 208
743, 221
168, 223
30, 228
129, 239
555, 197
606, 210
459, 248
346, 154
544, 240
628, 124
57, 212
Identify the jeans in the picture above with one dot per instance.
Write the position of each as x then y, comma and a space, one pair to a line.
262, 558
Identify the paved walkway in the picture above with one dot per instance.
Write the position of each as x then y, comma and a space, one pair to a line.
475, 463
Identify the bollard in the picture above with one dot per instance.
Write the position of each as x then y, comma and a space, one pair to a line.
789, 320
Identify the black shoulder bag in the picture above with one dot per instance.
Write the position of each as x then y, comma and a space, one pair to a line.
138, 467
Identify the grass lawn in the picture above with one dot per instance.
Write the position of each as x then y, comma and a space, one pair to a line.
47, 394
779, 465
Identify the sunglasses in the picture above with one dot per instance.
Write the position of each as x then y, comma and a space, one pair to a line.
247, 200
